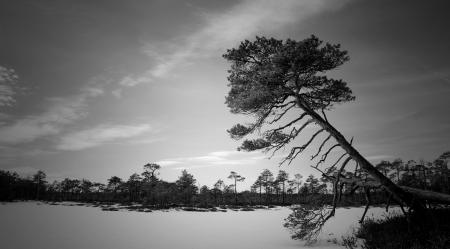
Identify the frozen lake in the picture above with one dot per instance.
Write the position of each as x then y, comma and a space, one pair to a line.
40, 226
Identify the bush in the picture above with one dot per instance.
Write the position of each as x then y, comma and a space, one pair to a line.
396, 232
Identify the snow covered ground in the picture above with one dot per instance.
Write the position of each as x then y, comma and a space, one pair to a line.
40, 226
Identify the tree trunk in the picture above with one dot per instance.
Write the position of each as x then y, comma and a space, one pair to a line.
260, 196
37, 189
391, 187
235, 192
428, 195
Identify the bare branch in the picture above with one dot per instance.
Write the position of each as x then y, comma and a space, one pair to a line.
303, 147
279, 145
339, 159
341, 186
297, 150
354, 188
291, 123
335, 188
292, 103
388, 202
323, 113
324, 156
356, 169
343, 167
367, 192
322, 172
293, 134
321, 146
265, 113
304, 125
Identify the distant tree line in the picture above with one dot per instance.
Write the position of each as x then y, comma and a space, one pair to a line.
268, 189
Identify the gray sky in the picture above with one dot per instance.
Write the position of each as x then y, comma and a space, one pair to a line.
104, 87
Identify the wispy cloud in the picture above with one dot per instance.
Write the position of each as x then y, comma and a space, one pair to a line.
100, 135
60, 112
225, 158
376, 158
50, 122
225, 30
168, 162
129, 81
133, 81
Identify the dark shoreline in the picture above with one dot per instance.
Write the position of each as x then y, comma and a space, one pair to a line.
137, 207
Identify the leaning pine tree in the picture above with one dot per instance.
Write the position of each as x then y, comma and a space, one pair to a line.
282, 85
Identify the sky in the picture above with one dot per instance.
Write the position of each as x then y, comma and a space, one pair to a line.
92, 89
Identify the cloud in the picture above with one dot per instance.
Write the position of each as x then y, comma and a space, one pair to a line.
100, 135
379, 157
242, 21
225, 158
130, 81
168, 162
6, 95
61, 111
221, 31
117, 93
8, 86
93, 91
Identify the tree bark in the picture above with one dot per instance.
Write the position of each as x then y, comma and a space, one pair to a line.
428, 195
391, 187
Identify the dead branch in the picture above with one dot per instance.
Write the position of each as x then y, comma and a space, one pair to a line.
339, 159
353, 189
293, 134
428, 195
356, 169
324, 156
324, 116
367, 193
322, 172
321, 146
337, 191
341, 186
297, 150
304, 125
293, 104
388, 202
291, 123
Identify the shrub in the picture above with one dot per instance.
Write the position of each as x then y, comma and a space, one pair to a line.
397, 232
